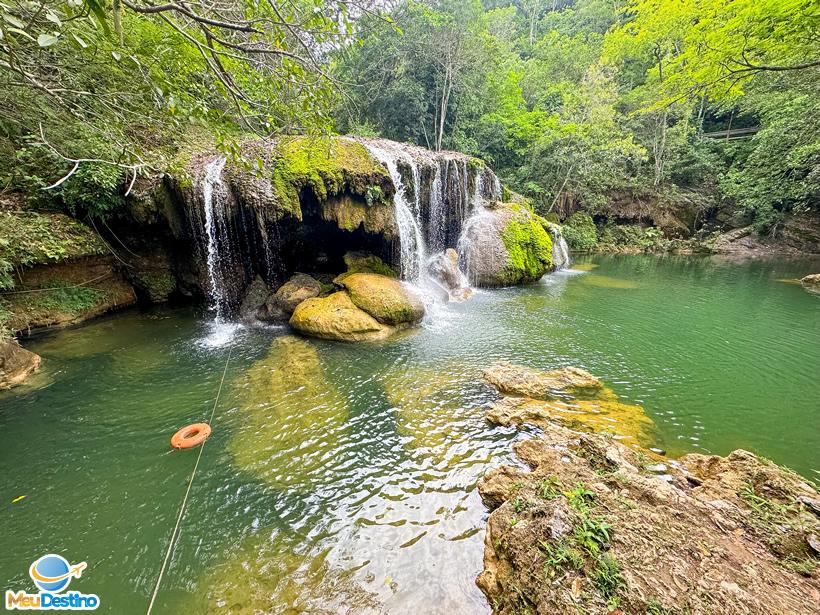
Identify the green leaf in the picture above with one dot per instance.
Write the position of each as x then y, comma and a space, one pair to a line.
13, 21
46, 40
80, 41
96, 7
21, 32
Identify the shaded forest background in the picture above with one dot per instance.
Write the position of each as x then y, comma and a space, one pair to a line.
577, 104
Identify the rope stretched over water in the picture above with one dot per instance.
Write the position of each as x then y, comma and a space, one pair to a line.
175, 533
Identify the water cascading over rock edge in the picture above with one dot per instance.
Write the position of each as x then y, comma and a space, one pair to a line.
436, 195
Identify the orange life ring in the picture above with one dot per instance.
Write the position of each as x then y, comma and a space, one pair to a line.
191, 435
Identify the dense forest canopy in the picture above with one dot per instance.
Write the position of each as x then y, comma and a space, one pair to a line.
575, 103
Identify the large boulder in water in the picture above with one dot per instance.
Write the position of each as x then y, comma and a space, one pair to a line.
505, 244
16, 363
536, 384
385, 299
444, 271
280, 305
336, 317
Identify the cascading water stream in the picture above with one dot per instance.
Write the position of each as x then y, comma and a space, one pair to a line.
413, 249
214, 211
560, 253
217, 241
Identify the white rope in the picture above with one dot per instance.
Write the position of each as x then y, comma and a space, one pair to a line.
175, 533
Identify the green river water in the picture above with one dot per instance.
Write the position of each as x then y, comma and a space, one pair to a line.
343, 476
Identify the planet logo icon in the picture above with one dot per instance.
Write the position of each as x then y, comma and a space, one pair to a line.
53, 573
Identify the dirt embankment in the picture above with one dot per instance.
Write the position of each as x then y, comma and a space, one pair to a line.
599, 525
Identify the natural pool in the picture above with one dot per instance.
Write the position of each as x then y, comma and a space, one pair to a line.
343, 476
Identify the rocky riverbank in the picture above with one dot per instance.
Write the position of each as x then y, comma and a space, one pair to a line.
598, 524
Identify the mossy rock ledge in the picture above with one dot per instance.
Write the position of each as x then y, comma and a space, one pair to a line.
347, 185
506, 245
370, 307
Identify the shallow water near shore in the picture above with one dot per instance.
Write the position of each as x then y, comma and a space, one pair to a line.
343, 476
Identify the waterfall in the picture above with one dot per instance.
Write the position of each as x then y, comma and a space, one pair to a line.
214, 208
560, 250
478, 198
496, 195
465, 240
413, 250
436, 227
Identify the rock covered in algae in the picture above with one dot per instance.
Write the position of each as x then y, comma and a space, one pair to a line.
290, 416
279, 306
587, 530
811, 283
336, 317
428, 400
385, 299
624, 421
528, 382
569, 396
506, 245
364, 262
16, 363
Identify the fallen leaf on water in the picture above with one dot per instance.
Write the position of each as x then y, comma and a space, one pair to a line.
17, 499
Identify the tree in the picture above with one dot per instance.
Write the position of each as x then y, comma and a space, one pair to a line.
715, 47
132, 75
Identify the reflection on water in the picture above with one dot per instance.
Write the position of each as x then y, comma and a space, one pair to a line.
341, 478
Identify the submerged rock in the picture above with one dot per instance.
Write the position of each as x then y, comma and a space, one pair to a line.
279, 306
16, 363
528, 382
336, 317
290, 417
588, 530
265, 574
811, 283
505, 245
385, 299
625, 422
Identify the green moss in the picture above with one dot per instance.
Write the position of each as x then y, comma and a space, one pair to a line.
580, 231
328, 166
158, 284
28, 238
364, 262
529, 249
